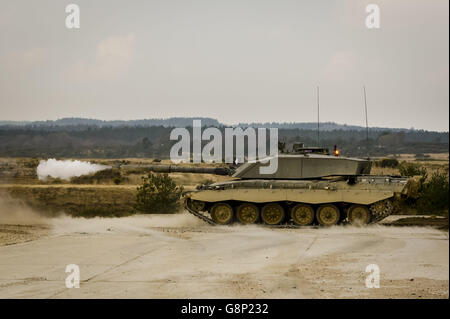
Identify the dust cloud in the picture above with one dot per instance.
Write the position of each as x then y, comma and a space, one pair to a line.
142, 224
17, 219
14, 211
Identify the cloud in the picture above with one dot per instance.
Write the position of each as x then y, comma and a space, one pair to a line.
113, 56
25, 59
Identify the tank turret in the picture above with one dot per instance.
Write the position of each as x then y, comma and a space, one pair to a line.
296, 166
306, 166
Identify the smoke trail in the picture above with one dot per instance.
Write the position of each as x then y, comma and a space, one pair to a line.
66, 169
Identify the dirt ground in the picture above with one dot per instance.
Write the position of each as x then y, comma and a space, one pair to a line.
177, 256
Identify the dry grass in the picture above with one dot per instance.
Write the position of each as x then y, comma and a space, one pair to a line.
435, 163
384, 171
76, 200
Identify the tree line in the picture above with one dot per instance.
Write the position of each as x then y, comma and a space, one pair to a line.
154, 141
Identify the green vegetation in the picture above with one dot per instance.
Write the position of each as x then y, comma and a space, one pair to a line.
430, 195
420, 156
103, 176
207, 181
388, 162
412, 169
159, 194
433, 195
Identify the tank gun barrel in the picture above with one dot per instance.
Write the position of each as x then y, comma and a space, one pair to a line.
182, 169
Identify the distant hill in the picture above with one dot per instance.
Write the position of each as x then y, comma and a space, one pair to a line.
75, 121
324, 126
186, 122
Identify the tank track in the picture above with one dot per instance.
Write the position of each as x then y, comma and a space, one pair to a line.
379, 211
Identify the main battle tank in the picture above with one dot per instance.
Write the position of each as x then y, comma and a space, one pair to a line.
309, 187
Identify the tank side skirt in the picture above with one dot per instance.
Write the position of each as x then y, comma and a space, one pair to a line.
260, 196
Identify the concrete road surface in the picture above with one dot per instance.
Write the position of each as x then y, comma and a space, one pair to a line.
178, 256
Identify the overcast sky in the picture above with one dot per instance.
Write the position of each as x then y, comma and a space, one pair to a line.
234, 60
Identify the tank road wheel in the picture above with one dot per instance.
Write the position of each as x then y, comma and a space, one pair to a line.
222, 213
272, 214
247, 213
196, 205
302, 214
328, 215
358, 214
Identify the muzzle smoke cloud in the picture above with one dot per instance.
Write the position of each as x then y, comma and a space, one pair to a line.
66, 169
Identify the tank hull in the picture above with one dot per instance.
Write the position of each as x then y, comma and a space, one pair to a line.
365, 192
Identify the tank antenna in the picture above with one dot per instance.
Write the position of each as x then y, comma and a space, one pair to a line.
318, 118
367, 123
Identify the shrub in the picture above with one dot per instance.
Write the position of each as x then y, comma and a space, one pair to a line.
389, 162
208, 181
421, 156
158, 194
433, 195
412, 169
105, 175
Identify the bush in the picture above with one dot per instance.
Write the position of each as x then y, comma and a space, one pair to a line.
158, 194
389, 162
412, 169
421, 156
208, 181
433, 195
105, 175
